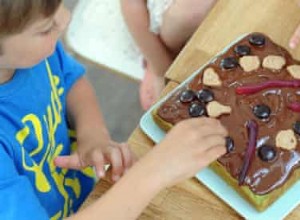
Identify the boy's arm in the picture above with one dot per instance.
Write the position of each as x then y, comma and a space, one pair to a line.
92, 136
137, 19
187, 148
84, 113
126, 199
94, 146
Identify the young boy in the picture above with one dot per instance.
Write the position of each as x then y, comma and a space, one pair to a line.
38, 99
43, 93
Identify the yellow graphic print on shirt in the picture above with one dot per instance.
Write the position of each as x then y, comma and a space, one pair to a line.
49, 124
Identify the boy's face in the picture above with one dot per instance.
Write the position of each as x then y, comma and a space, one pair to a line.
35, 43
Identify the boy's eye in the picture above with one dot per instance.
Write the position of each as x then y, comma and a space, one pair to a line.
46, 32
53, 27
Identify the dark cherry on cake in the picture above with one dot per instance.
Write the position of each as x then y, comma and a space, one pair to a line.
296, 127
197, 110
267, 153
262, 111
257, 40
229, 63
229, 144
187, 96
205, 95
242, 50
263, 147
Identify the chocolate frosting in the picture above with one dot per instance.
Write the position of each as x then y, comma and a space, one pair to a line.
262, 177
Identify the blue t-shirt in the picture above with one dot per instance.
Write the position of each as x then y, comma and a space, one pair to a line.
33, 131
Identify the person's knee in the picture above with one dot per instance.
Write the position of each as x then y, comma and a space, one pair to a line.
193, 15
177, 27
192, 12
182, 19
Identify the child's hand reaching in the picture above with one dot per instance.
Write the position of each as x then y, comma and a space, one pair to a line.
118, 155
190, 146
94, 145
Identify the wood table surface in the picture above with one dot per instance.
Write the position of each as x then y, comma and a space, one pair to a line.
228, 20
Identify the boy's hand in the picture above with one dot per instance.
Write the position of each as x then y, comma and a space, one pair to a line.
190, 146
117, 155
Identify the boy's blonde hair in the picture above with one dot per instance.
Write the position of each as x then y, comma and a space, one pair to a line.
15, 15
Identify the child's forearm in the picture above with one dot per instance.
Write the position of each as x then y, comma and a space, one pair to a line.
83, 111
128, 197
137, 19
187, 148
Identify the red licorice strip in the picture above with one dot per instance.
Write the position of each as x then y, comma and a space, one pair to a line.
254, 88
252, 129
294, 106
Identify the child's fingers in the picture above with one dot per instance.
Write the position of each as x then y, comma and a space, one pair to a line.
204, 121
213, 141
198, 122
295, 38
69, 162
203, 126
212, 130
213, 153
115, 157
126, 155
97, 160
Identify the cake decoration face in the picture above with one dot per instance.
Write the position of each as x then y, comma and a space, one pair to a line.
253, 88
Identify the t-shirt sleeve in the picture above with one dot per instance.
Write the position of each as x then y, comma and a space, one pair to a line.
71, 69
17, 197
